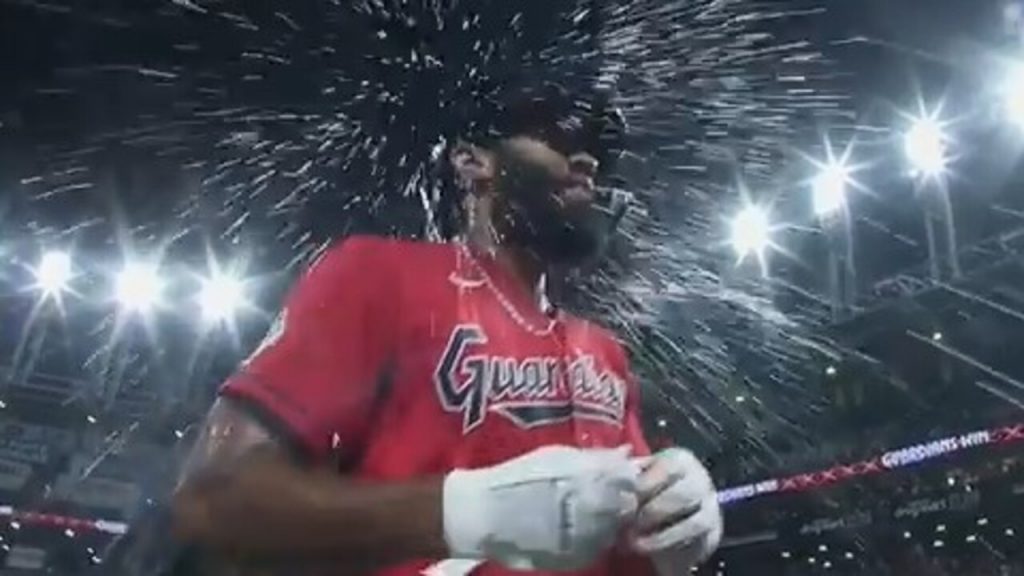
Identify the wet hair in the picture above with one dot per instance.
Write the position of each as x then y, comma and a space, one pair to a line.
569, 122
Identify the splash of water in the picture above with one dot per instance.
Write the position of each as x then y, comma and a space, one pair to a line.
288, 124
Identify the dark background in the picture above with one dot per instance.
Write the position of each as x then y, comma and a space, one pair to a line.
255, 132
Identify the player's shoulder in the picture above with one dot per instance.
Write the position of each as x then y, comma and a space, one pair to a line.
380, 252
363, 245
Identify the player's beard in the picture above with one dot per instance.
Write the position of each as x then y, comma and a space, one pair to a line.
529, 214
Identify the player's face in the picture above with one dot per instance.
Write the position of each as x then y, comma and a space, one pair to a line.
545, 200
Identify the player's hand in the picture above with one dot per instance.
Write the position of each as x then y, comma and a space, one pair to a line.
679, 524
556, 508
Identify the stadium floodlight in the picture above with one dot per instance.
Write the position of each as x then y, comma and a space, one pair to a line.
139, 287
925, 146
751, 232
221, 295
829, 189
54, 272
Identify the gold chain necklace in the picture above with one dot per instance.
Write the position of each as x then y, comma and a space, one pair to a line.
507, 304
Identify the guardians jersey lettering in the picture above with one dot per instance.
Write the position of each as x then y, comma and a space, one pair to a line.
530, 392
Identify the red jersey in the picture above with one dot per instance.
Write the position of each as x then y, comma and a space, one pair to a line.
414, 359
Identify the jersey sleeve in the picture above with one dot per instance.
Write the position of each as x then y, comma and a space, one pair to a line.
317, 374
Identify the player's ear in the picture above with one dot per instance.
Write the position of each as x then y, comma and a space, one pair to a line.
472, 164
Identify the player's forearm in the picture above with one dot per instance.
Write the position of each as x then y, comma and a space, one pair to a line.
266, 510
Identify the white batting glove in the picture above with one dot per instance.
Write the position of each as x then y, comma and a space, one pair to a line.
679, 524
556, 508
